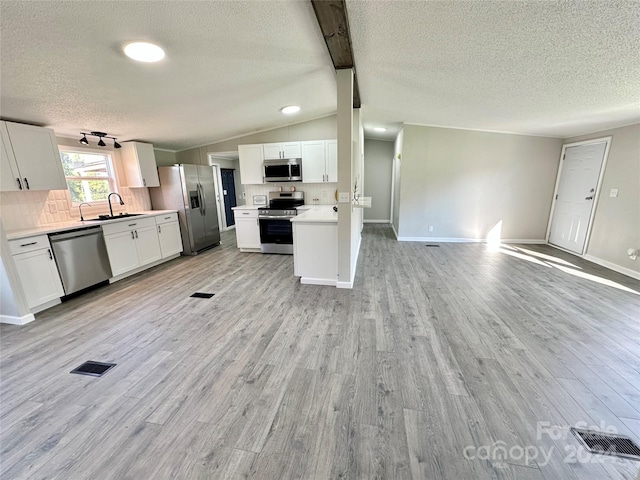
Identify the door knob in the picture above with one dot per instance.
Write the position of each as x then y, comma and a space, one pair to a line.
589, 197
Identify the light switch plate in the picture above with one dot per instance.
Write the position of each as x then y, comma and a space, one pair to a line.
343, 197
613, 193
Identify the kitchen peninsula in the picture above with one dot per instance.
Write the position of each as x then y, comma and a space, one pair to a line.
315, 245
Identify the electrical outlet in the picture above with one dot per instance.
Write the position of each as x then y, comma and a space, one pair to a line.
431, 228
613, 193
53, 208
343, 197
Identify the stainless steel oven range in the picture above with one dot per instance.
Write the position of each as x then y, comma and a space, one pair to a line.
276, 231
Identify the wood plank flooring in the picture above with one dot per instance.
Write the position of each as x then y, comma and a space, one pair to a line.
442, 363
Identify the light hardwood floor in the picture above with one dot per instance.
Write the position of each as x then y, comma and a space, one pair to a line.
436, 358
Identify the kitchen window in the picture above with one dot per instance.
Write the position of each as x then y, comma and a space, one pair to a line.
89, 176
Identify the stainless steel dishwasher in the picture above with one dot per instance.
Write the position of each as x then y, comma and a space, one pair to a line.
81, 256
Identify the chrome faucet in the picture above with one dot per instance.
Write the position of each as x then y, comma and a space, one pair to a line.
80, 208
109, 200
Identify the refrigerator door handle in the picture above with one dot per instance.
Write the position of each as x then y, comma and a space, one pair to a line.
200, 207
204, 200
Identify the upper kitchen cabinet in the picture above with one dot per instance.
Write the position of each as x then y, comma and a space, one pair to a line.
251, 169
30, 159
320, 161
277, 151
140, 164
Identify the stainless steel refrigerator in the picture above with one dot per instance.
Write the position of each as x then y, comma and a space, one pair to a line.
190, 190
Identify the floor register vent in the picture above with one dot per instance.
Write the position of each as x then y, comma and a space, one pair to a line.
607, 444
202, 295
93, 369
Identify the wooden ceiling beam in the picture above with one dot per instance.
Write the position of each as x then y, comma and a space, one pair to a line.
334, 24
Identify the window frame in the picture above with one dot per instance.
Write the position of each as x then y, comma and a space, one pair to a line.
111, 171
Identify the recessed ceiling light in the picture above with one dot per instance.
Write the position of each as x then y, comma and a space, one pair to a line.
144, 52
291, 109
380, 129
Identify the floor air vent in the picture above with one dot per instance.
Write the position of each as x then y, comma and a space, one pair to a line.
431, 245
202, 295
93, 369
607, 444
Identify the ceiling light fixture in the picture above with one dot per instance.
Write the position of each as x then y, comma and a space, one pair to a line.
100, 135
380, 129
144, 52
290, 110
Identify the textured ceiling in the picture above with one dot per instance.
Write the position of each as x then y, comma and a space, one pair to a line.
543, 68
534, 67
229, 67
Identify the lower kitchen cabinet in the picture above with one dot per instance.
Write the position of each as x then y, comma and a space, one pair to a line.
38, 273
131, 244
169, 235
247, 230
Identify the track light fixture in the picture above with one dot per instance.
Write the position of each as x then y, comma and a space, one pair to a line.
101, 135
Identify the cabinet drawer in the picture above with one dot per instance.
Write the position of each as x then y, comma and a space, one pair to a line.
131, 223
29, 244
166, 218
246, 213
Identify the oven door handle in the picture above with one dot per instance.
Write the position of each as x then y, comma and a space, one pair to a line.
274, 217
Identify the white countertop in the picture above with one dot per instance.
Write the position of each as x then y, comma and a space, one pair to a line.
316, 214
60, 227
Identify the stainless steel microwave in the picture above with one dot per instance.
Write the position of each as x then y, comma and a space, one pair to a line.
283, 170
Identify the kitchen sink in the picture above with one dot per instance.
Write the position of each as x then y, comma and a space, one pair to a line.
106, 218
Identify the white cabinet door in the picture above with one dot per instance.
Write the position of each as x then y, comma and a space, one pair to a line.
39, 276
272, 151
251, 169
9, 172
147, 245
37, 156
170, 240
123, 255
140, 164
247, 232
332, 160
313, 162
291, 150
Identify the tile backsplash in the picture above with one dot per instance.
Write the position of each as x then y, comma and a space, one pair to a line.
29, 209
324, 192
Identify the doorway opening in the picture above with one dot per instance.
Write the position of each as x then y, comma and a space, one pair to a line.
225, 169
577, 190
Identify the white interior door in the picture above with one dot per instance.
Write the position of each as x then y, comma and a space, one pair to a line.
222, 221
575, 197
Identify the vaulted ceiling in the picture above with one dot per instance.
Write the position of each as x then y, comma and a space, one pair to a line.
541, 68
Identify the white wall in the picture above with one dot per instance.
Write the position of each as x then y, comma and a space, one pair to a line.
464, 183
164, 158
616, 224
378, 166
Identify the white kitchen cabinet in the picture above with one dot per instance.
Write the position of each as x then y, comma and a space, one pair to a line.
247, 230
278, 151
251, 169
131, 244
169, 235
37, 270
30, 158
139, 164
320, 161
332, 160
123, 255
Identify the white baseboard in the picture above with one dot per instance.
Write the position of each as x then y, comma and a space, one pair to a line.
612, 266
468, 240
377, 221
318, 281
10, 319
44, 306
344, 284
142, 268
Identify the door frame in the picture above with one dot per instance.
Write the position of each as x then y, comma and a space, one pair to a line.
222, 219
596, 197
